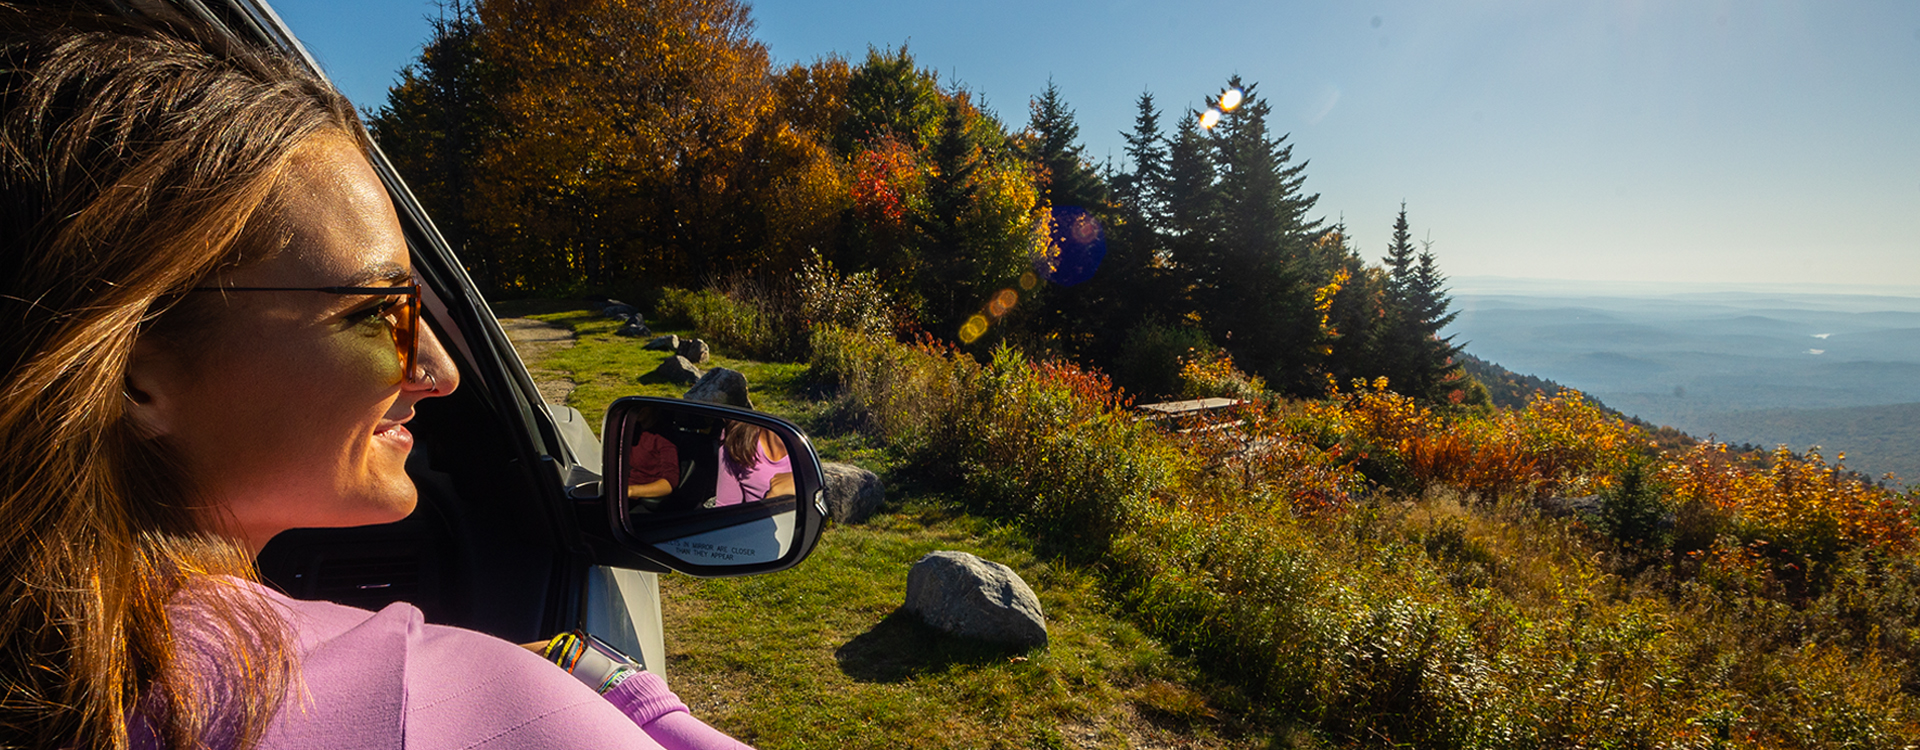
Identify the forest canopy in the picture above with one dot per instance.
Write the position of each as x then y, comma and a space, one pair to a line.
620, 146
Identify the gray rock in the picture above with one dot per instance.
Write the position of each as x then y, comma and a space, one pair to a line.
969, 597
665, 343
721, 386
635, 327
675, 369
695, 350
853, 493
618, 309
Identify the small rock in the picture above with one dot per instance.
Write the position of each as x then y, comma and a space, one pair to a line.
665, 343
695, 350
853, 493
618, 309
635, 327
675, 369
721, 386
961, 594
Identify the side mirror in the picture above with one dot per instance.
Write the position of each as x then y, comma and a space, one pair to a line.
710, 490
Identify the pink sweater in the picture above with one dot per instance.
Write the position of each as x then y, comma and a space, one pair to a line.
388, 680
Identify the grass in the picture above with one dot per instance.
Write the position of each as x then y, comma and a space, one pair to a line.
822, 656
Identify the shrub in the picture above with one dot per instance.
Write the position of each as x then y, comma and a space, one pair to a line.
1152, 356
1251, 546
741, 316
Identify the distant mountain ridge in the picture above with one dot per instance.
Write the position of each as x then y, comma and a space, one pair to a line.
1509, 389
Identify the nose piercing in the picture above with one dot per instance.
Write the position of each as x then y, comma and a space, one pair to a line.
433, 384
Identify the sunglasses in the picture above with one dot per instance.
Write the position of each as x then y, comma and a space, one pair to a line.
405, 324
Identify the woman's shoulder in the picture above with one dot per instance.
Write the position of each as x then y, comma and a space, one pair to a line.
435, 685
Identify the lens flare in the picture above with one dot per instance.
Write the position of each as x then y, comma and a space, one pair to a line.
1230, 99
1002, 302
1075, 245
1209, 118
1027, 280
975, 327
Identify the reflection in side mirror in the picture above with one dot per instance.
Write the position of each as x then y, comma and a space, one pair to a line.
710, 490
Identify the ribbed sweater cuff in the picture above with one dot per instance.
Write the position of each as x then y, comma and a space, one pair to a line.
644, 697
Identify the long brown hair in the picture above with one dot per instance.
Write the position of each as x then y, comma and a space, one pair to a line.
134, 156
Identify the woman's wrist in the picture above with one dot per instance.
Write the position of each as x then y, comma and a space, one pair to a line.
590, 660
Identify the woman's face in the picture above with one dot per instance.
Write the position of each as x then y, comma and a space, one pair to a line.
290, 410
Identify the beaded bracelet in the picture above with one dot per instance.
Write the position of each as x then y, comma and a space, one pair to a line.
590, 660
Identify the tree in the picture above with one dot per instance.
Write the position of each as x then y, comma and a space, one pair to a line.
1142, 192
1255, 283
631, 124
1053, 143
436, 123
889, 95
1412, 355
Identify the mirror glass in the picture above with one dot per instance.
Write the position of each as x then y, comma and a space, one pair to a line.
709, 486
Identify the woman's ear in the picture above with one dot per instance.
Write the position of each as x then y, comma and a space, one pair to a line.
152, 376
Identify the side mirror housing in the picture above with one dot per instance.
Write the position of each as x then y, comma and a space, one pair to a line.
710, 490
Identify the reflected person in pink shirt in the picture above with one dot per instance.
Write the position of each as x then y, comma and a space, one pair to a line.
754, 466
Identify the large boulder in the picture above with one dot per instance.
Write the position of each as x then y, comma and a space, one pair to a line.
695, 350
853, 493
667, 343
961, 594
635, 327
721, 386
675, 369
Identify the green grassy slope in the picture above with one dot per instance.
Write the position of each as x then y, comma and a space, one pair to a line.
820, 656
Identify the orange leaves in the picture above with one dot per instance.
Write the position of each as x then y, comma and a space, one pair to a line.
1799, 506
1554, 444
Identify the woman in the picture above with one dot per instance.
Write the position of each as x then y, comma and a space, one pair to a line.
211, 335
754, 465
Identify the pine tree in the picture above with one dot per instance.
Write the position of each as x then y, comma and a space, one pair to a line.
435, 125
1053, 143
1257, 283
1416, 360
944, 278
888, 95
1142, 190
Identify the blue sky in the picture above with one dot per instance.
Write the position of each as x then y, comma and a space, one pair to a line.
1703, 141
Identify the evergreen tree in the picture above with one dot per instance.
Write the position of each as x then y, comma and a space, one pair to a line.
944, 281
1053, 144
435, 125
1257, 282
1416, 360
1142, 191
1400, 258
1191, 204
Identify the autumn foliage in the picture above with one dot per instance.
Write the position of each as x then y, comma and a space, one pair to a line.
1394, 574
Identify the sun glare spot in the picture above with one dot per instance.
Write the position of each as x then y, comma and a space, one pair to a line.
975, 327
1822, 336
1209, 119
1230, 99
1816, 351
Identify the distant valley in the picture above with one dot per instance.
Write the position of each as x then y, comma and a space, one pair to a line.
1760, 366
